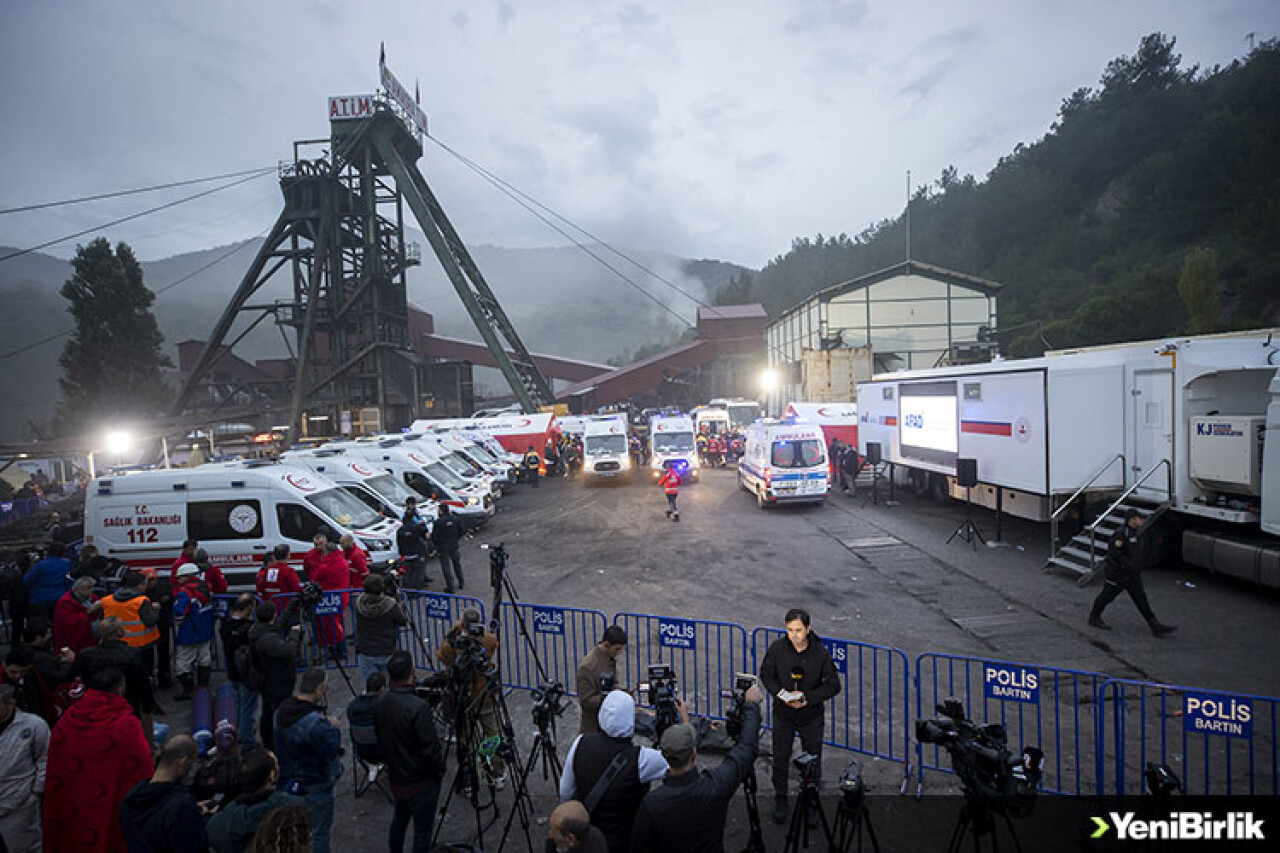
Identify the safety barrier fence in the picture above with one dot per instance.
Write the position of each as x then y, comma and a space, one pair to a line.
871, 713
1217, 743
703, 654
1042, 706
11, 511
1098, 734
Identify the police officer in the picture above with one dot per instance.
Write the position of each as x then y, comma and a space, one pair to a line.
446, 533
798, 672
1126, 557
411, 540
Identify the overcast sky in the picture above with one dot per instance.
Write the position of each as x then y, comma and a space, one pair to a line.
701, 128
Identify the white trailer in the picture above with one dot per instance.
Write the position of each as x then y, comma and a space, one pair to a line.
1178, 424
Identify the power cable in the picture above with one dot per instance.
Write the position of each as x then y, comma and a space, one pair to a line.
119, 193
166, 288
520, 197
133, 216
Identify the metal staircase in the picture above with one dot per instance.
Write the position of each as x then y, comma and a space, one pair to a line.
1084, 554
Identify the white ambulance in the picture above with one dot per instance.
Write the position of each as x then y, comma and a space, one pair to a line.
418, 469
238, 513
376, 487
606, 454
785, 462
671, 440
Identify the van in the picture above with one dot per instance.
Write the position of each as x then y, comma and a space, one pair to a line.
671, 440
376, 487
474, 474
784, 462
472, 430
473, 452
707, 419
605, 451
417, 469
238, 513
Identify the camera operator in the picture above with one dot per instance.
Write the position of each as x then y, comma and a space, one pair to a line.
456, 642
798, 672
600, 661
414, 759
687, 814
609, 774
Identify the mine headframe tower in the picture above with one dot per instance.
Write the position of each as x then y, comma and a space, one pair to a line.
341, 235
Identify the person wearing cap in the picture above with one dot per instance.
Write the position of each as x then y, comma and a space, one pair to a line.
193, 641
1126, 557
609, 774
798, 672
687, 814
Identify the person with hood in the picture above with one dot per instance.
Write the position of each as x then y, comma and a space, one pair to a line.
48, 580
159, 815
378, 622
308, 744
798, 672
609, 774
137, 613
24, 747
194, 618
1126, 558
74, 615
332, 573
97, 754
234, 631
231, 830
272, 656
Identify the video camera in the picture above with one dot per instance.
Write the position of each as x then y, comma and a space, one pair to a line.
548, 703
810, 767
981, 758
661, 692
309, 595
608, 682
742, 682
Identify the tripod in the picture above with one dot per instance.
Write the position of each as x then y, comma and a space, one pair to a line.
468, 736
543, 754
798, 830
968, 531
307, 616
853, 816
975, 819
755, 840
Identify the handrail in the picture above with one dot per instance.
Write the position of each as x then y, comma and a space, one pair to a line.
1093, 528
1053, 518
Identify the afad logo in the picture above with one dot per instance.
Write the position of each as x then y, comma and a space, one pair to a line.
1179, 826
300, 482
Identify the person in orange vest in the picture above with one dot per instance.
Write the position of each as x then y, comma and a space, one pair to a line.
138, 615
670, 482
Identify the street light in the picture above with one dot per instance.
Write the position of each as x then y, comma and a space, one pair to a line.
119, 442
769, 384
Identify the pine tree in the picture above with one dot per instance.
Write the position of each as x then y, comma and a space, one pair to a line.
111, 367
1198, 287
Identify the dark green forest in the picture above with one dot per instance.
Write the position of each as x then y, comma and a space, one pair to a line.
1151, 207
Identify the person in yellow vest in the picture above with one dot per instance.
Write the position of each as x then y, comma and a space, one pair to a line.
531, 463
138, 614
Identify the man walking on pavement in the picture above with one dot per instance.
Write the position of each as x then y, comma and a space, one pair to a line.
1126, 557
670, 482
446, 533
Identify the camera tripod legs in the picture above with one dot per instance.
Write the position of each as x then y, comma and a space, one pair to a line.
978, 822
798, 831
543, 751
850, 822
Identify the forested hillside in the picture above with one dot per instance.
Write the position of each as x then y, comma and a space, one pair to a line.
1151, 207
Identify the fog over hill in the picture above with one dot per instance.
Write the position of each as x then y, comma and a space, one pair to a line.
561, 301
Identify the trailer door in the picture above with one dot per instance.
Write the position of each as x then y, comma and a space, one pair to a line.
1152, 431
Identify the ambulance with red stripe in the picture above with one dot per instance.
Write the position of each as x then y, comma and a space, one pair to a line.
237, 513
785, 461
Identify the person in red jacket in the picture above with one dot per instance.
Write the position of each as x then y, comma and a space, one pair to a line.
96, 755
188, 555
277, 580
74, 615
333, 573
212, 576
670, 482
311, 560
357, 559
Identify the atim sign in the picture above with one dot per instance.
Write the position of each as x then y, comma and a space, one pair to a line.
345, 107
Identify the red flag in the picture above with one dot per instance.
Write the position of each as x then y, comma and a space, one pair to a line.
382, 53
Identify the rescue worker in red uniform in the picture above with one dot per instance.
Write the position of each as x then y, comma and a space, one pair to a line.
277, 579
333, 573
357, 559
670, 482
311, 560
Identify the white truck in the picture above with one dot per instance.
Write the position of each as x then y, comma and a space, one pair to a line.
1176, 425
237, 512
606, 453
671, 440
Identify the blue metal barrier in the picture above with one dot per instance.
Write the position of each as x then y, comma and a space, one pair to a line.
562, 637
1216, 742
871, 714
12, 510
704, 654
1042, 706
433, 613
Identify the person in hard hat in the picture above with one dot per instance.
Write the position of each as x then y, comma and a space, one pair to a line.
670, 482
1126, 557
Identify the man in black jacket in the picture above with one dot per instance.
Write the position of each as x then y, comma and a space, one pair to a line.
160, 814
414, 759
235, 636
687, 814
112, 652
378, 622
411, 539
273, 656
446, 533
1126, 558
798, 672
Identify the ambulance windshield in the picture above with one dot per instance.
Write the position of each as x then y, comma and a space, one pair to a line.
343, 508
801, 453
672, 442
